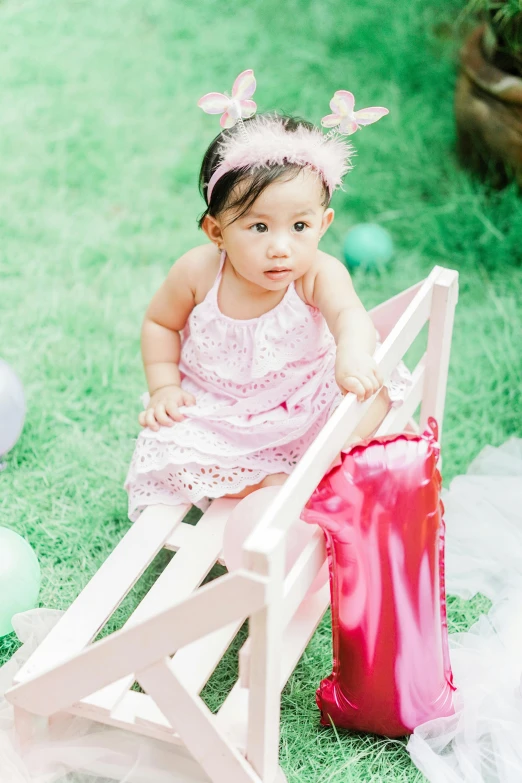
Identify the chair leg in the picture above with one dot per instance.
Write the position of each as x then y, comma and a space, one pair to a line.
29, 727
444, 300
25, 725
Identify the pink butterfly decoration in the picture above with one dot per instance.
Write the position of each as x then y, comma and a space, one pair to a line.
345, 119
234, 108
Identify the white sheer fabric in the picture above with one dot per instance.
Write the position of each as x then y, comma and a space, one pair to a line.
482, 742
76, 750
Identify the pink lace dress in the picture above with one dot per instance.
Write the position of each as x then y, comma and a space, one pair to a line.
264, 388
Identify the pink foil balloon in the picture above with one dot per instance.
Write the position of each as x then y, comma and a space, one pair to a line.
242, 521
382, 517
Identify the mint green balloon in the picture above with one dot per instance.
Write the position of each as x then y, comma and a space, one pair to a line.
368, 246
19, 577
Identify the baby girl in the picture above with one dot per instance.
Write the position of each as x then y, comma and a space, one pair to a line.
255, 336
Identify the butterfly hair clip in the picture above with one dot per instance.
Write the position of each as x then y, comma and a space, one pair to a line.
344, 119
234, 108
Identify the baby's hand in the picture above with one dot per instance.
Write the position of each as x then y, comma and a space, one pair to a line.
357, 372
164, 406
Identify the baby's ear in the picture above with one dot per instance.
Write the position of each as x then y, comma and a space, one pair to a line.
328, 217
212, 229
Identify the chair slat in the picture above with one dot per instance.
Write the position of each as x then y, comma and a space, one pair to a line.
180, 578
134, 648
233, 712
386, 315
134, 709
303, 573
106, 589
182, 536
266, 640
445, 296
140, 715
199, 729
195, 663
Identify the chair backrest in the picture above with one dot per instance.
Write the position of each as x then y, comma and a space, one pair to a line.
399, 321
386, 315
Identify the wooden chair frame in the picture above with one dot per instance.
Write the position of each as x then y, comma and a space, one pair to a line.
177, 635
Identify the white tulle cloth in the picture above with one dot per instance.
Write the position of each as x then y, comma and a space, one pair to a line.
77, 750
482, 742
264, 388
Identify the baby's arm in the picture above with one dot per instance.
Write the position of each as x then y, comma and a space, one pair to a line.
165, 318
354, 332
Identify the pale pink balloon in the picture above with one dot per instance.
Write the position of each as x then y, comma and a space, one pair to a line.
244, 518
12, 407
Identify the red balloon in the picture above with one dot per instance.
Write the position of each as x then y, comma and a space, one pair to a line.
382, 517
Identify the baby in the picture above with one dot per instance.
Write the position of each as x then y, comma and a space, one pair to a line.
254, 337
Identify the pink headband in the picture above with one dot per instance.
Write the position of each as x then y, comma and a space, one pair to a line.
266, 142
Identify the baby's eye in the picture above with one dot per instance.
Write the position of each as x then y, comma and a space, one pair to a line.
299, 227
259, 228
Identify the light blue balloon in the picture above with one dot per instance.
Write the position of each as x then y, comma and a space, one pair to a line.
12, 407
19, 577
368, 246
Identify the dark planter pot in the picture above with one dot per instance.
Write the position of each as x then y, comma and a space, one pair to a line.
488, 111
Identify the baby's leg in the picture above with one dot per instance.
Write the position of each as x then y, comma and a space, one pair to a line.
274, 480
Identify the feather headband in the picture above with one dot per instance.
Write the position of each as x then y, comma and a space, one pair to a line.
266, 142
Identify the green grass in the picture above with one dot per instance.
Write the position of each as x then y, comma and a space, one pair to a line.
100, 143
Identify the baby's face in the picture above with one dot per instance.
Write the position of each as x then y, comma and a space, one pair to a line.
276, 241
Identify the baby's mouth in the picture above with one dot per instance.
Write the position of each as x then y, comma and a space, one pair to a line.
277, 274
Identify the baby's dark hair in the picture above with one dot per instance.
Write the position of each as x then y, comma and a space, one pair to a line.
256, 180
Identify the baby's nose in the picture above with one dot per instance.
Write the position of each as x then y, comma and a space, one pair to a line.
279, 249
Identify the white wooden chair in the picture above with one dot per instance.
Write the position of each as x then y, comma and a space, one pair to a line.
180, 631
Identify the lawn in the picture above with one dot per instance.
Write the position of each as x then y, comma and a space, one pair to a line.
100, 143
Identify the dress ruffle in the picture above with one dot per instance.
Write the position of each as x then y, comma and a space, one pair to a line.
217, 456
